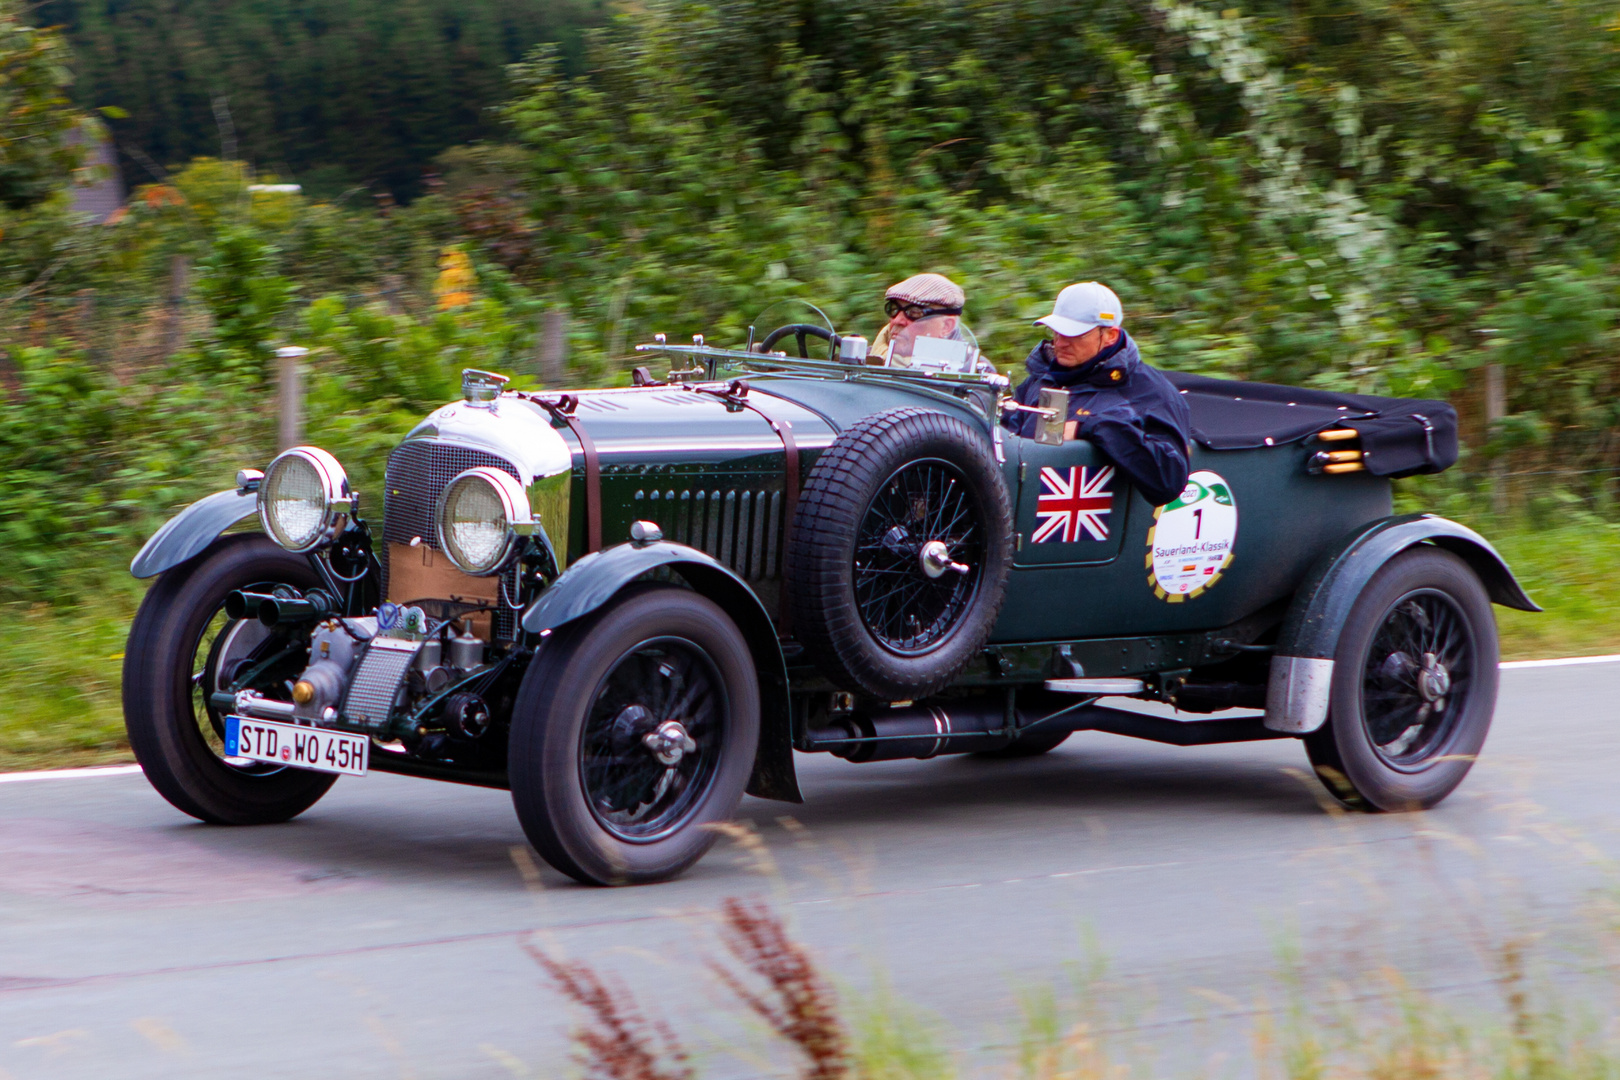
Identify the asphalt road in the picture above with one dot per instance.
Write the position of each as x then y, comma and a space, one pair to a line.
381, 934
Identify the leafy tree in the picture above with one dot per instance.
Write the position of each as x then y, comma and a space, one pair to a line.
37, 119
1370, 194
335, 93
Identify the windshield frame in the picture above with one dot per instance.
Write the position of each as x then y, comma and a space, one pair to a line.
777, 363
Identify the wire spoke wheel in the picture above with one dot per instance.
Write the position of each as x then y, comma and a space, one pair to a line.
919, 555
898, 559
182, 650
634, 735
1416, 679
225, 649
1414, 685
651, 740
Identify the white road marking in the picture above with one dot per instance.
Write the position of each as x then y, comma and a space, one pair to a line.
1567, 661
69, 774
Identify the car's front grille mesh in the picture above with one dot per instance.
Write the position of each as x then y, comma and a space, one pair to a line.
742, 529
377, 680
418, 472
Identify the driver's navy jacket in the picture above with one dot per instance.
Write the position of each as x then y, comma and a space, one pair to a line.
1125, 408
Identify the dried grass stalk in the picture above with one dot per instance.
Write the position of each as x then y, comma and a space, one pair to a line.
617, 1042
797, 1003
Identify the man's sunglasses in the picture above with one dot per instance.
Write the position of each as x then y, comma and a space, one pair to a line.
916, 311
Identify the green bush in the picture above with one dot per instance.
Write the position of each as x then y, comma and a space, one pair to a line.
1368, 195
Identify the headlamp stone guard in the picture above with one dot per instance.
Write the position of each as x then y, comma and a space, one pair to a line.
336, 496
514, 500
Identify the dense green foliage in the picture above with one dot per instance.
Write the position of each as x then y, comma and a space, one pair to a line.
36, 117
1364, 193
1378, 194
332, 92
1369, 193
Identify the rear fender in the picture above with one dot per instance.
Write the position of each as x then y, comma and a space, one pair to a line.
597, 578
191, 530
1302, 667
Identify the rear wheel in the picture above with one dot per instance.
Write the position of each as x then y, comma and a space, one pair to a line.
633, 732
182, 649
1414, 686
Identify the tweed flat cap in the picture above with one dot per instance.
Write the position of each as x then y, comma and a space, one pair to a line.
935, 290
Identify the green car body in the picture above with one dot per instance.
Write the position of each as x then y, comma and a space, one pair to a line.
1234, 595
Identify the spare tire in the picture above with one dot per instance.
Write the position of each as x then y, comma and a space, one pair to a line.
901, 547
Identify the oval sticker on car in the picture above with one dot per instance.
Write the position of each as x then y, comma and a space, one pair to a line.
1191, 542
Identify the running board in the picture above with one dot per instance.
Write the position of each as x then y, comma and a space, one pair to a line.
1100, 687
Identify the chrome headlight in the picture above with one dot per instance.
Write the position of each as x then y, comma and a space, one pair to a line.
303, 497
481, 515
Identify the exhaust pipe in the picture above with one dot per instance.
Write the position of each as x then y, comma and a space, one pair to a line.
916, 731
275, 611
980, 723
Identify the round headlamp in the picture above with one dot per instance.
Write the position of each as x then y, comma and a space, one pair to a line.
303, 497
482, 513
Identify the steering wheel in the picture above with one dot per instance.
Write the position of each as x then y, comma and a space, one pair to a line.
800, 331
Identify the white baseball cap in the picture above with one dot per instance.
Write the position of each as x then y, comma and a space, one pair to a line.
1084, 307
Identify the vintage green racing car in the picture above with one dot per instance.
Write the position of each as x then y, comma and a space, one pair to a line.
630, 606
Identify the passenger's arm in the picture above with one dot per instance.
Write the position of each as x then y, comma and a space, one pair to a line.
1150, 457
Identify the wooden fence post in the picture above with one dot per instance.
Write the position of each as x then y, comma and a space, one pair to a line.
290, 394
173, 326
1495, 409
553, 346
85, 320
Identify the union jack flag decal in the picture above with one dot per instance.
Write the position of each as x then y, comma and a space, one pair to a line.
1070, 508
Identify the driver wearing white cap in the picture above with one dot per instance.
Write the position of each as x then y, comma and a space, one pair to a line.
1125, 408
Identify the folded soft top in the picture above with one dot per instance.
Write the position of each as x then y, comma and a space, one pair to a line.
1399, 436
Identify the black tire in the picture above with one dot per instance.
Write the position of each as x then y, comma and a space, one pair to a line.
1031, 744
857, 586
1404, 729
176, 735
579, 765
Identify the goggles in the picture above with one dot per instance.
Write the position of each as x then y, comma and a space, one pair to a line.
893, 307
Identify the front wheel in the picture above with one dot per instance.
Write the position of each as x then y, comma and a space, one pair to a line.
182, 649
1414, 686
634, 732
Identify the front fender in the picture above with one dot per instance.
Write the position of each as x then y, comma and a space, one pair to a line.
193, 529
597, 578
1302, 667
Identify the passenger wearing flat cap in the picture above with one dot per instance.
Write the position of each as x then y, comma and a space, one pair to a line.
1119, 404
918, 298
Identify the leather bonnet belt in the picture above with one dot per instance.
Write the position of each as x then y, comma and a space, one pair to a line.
563, 409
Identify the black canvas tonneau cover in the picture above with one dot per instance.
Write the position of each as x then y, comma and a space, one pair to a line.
1399, 436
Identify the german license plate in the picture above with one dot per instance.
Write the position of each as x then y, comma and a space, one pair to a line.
296, 746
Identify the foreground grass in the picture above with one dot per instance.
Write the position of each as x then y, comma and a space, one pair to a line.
59, 685
1574, 572
1357, 1021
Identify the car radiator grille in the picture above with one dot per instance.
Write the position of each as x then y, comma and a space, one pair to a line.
418, 472
742, 529
377, 679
